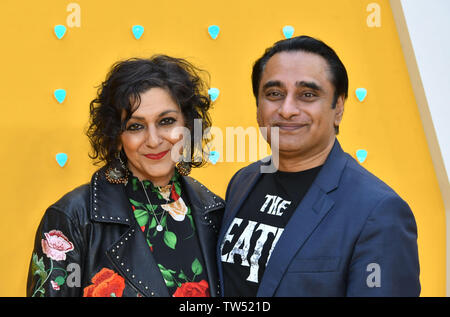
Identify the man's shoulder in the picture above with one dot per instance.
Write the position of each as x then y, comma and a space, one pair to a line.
246, 171
360, 181
254, 167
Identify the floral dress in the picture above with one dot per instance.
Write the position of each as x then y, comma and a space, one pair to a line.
171, 236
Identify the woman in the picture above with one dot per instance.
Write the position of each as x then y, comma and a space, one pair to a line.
141, 227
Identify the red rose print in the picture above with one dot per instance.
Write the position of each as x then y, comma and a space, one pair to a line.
106, 283
191, 289
56, 245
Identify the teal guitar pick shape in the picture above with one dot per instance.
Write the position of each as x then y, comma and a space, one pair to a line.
361, 94
213, 31
288, 31
213, 93
214, 156
361, 155
61, 159
137, 30
60, 30
60, 95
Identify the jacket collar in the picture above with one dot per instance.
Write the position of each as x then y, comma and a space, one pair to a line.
330, 174
109, 202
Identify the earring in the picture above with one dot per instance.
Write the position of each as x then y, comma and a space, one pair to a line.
184, 168
117, 172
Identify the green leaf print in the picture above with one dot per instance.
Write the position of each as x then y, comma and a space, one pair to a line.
170, 239
134, 183
197, 267
164, 220
136, 203
38, 267
141, 216
167, 275
177, 188
152, 223
146, 183
182, 276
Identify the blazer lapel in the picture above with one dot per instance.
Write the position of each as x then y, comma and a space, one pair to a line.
234, 202
313, 208
305, 219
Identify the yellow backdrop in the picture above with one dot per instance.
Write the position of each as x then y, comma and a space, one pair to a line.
35, 126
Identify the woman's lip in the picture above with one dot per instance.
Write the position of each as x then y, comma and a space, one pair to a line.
157, 156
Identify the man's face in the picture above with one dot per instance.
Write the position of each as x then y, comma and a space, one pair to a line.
296, 95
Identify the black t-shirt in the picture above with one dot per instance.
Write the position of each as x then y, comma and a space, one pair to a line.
258, 225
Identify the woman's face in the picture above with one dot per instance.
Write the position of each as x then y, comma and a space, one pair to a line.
150, 135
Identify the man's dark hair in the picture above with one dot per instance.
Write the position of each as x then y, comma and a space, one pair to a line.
307, 44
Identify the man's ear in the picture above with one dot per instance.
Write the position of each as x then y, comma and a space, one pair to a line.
258, 119
339, 110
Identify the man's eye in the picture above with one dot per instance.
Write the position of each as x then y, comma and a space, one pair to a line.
167, 121
274, 94
308, 95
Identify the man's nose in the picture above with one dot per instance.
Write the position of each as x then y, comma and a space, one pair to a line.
153, 139
288, 108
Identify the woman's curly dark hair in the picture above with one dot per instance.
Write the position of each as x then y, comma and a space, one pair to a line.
121, 92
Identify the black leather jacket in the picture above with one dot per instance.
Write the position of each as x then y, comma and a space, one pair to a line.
93, 228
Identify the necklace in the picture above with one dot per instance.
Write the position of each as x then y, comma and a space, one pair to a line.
158, 227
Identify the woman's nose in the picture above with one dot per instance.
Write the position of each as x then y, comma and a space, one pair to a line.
153, 138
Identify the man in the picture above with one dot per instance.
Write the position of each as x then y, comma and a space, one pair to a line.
321, 225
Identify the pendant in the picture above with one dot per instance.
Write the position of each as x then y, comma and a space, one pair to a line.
159, 228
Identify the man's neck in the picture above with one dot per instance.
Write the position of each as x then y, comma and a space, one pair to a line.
290, 162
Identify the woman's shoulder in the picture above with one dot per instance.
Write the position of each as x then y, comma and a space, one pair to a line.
78, 198
73, 204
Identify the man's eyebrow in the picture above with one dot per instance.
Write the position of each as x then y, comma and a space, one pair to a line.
272, 83
308, 84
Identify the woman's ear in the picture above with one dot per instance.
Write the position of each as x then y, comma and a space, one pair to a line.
119, 146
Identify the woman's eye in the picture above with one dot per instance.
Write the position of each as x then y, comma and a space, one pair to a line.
167, 121
134, 127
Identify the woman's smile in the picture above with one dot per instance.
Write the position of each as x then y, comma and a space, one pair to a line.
156, 156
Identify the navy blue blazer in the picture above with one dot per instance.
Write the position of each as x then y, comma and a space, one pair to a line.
351, 235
